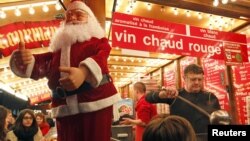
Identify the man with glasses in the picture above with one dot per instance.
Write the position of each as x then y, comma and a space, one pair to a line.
193, 91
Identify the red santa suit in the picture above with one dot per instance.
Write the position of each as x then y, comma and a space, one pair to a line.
87, 114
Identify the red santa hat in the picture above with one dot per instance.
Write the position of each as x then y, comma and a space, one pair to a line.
79, 4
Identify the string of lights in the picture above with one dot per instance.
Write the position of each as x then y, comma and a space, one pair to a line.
30, 6
217, 2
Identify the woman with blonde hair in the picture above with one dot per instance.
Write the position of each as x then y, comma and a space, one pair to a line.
169, 128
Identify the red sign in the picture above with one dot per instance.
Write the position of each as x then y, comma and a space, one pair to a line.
215, 80
33, 34
140, 33
233, 53
241, 83
39, 98
169, 73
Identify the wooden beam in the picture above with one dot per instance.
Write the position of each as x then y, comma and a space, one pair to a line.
240, 27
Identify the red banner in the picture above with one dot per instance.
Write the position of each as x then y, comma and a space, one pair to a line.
33, 34
140, 33
170, 75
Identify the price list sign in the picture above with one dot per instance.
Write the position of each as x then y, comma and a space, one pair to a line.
214, 80
170, 75
241, 83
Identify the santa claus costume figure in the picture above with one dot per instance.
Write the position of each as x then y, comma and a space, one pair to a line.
77, 72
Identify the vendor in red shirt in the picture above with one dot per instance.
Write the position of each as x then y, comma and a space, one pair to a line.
144, 111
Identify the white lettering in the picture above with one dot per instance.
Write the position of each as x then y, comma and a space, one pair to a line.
147, 21
118, 37
129, 38
243, 133
211, 50
203, 30
136, 19
213, 32
163, 43
146, 40
214, 131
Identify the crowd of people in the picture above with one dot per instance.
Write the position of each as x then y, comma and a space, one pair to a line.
193, 91
83, 92
190, 109
185, 122
26, 126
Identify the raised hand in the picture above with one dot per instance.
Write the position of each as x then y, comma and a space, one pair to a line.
22, 56
74, 78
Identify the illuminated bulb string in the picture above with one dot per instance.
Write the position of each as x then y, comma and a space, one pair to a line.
30, 6
217, 2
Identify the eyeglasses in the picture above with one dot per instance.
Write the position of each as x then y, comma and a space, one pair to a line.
26, 118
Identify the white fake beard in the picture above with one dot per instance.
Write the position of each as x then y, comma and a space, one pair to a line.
72, 32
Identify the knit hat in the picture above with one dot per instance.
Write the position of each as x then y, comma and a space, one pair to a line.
78, 4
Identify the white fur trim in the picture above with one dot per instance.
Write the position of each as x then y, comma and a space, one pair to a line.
65, 59
72, 103
17, 72
85, 107
96, 73
76, 5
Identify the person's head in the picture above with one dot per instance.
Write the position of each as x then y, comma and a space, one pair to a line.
10, 117
80, 25
26, 119
40, 118
77, 13
3, 120
193, 77
169, 128
139, 89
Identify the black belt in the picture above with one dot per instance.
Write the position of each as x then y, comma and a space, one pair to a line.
62, 93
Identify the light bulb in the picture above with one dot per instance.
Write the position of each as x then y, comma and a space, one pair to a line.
31, 10
199, 16
2, 15
18, 12
45, 8
224, 1
216, 3
58, 6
